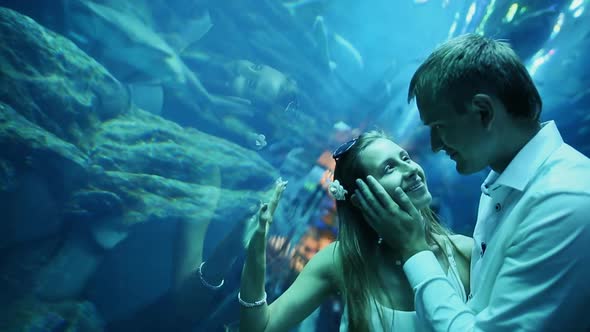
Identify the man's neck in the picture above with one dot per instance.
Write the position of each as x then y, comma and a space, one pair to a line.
521, 135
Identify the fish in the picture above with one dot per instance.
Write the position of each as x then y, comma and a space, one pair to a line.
351, 50
187, 30
528, 31
137, 55
125, 40
257, 141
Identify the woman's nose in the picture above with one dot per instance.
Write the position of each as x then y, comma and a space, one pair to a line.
410, 171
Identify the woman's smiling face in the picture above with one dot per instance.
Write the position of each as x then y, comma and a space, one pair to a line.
392, 166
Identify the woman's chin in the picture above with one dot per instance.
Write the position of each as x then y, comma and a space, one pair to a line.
422, 202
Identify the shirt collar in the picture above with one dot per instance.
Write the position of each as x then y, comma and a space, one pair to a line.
527, 161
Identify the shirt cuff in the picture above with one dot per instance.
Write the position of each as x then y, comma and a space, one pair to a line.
422, 267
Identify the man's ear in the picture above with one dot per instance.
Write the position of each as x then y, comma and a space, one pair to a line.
483, 105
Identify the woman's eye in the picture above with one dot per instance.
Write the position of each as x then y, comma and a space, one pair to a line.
388, 168
406, 158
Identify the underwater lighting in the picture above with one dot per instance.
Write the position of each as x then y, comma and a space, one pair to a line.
578, 12
511, 12
557, 26
470, 13
453, 26
539, 59
575, 4
489, 11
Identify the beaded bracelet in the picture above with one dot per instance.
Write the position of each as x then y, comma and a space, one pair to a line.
204, 282
252, 304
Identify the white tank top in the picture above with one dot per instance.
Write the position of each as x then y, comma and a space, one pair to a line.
407, 321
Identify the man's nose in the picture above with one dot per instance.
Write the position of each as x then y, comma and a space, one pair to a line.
435, 142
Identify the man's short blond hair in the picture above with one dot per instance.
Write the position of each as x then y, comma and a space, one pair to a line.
469, 64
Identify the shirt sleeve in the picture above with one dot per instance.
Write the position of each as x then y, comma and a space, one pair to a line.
437, 302
541, 286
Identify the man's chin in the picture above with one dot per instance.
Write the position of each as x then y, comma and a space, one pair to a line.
464, 169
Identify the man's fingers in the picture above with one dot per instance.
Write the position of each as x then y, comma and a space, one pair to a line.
402, 199
381, 194
367, 211
365, 193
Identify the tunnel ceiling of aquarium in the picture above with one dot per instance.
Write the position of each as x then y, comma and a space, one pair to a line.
138, 138
351, 61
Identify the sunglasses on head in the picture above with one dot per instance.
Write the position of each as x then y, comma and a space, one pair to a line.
342, 149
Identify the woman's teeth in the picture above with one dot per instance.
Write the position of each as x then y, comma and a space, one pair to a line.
415, 186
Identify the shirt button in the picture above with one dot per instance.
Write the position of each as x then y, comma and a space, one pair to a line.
498, 207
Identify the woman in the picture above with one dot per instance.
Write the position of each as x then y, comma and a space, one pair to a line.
258, 84
366, 272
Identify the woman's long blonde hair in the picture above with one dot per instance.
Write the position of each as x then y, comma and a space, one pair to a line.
357, 240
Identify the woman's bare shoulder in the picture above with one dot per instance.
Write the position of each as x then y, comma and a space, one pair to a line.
330, 259
331, 255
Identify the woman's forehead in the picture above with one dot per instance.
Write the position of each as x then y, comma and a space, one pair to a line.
378, 151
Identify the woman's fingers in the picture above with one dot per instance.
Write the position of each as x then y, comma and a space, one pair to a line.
280, 186
267, 210
264, 216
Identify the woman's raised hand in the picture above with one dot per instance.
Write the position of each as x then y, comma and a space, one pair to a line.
267, 210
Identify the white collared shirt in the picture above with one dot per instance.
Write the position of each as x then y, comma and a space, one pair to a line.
534, 219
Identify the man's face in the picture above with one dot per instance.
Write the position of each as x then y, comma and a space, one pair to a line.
258, 83
461, 135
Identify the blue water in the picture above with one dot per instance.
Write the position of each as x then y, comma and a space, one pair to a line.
137, 139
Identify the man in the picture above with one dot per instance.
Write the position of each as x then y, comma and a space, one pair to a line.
530, 266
